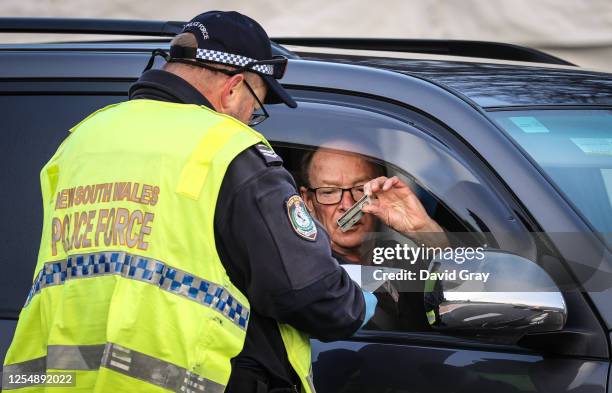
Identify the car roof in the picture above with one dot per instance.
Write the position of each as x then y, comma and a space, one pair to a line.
495, 84
485, 82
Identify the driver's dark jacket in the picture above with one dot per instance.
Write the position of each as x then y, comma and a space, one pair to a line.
285, 277
400, 304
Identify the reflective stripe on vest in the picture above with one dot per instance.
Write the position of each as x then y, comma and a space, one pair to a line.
142, 269
114, 357
310, 380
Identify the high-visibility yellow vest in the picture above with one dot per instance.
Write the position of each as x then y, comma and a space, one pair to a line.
129, 293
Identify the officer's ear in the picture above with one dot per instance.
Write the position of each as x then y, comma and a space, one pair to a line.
231, 94
308, 198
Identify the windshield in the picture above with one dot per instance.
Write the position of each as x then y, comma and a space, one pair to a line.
574, 147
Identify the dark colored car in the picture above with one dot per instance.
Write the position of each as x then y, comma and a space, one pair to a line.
513, 149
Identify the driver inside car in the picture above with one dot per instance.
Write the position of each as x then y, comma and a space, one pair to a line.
333, 181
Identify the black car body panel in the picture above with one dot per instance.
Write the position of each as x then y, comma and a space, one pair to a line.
500, 85
365, 367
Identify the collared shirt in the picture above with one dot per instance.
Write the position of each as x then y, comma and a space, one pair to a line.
286, 277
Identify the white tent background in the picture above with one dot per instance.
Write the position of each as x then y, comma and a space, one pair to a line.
579, 31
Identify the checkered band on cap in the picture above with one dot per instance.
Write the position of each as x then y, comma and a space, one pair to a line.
234, 60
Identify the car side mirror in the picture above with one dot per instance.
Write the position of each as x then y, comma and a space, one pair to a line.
517, 297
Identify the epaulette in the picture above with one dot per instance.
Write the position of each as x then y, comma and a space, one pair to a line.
268, 155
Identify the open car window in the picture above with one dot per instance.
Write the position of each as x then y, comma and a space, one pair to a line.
332, 149
439, 174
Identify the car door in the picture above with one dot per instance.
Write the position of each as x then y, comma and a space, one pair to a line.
36, 118
465, 197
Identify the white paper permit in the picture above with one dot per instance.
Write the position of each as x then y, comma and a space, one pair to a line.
364, 275
594, 146
529, 124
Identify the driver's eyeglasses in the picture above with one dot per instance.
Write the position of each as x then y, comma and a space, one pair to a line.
333, 195
259, 114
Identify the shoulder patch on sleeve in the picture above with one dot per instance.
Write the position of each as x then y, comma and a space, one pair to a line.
301, 221
268, 155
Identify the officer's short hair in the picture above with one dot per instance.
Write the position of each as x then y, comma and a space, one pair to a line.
184, 39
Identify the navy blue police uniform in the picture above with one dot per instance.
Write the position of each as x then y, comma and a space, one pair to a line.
287, 275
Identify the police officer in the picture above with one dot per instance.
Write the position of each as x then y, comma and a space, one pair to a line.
176, 253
